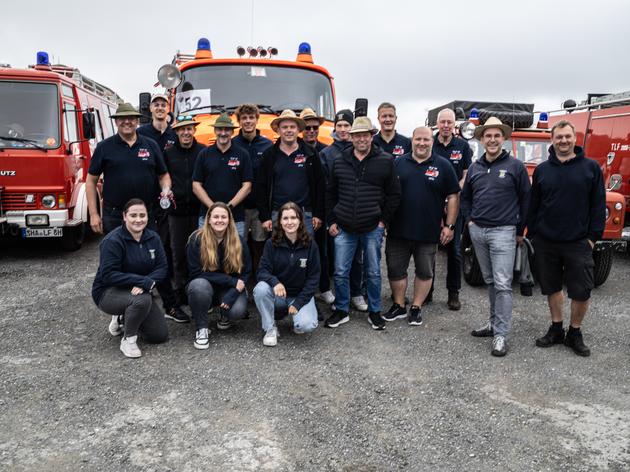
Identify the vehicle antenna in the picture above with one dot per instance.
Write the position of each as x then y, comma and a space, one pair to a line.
251, 31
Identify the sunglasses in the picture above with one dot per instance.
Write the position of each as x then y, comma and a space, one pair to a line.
311, 128
184, 118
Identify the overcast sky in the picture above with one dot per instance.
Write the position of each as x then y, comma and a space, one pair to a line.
417, 55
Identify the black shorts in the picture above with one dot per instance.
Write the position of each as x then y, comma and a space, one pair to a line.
398, 251
559, 263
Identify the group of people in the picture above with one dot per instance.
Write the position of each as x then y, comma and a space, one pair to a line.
280, 217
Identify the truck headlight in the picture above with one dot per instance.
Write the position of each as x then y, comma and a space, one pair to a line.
49, 201
467, 130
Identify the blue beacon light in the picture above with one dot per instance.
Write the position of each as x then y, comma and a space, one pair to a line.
42, 58
474, 113
203, 44
304, 48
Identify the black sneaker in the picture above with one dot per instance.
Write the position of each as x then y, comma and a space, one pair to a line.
574, 340
337, 318
453, 301
177, 315
415, 316
484, 332
376, 320
395, 312
553, 336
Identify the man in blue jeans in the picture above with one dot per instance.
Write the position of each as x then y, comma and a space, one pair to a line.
362, 196
494, 202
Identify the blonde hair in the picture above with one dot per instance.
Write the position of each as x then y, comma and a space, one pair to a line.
209, 245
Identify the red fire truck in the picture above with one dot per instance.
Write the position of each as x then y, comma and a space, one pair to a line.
51, 117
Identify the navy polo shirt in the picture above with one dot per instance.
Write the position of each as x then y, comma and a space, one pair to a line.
398, 146
425, 187
222, 175
290, 180
128, 172
458, 153
165, 140
255, 147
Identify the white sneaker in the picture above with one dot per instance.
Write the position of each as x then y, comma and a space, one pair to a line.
271, 337
327, 297
115, 326
359, 303
201, 338
129, 347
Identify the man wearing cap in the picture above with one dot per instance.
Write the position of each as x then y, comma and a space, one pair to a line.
249, 138
341, 136
494, 202
387, 138
223, 173
459, 154
362, 197
184, 213
312, 122
159, 129
567, 216
290, 172
426, 181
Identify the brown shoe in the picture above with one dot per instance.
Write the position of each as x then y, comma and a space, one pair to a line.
453, 301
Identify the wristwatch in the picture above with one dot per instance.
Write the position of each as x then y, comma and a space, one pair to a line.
451, 227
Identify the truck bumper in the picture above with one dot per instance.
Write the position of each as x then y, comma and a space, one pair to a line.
614, 244
11, 222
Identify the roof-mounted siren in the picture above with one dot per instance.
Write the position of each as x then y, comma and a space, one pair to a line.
169, 76
272, 51
304, 53
42, 61
253, 52
474, 117
240, 50
568, 105
543, 120
203, 49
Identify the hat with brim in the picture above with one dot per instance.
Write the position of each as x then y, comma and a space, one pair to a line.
493, 122
362, 124
224, 121
159, 96
309, 114
126, 110
288, 115
182, 121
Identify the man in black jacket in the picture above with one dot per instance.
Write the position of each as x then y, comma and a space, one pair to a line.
567, 216
362, 196
290, 172
184, 213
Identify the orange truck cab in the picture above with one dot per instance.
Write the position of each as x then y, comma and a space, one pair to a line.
51, 118
203, 86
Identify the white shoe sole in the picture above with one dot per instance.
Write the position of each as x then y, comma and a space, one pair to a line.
404, 315
375, 327
270, 343
201, 346
340, 322
415, 323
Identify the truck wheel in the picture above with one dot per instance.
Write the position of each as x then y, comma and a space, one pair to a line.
516, 118
603, 264
471, 269
73, 237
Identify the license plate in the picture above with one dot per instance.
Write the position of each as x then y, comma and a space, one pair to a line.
42, 232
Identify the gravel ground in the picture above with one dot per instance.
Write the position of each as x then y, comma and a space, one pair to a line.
350, 399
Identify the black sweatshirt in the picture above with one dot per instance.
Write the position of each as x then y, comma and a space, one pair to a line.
568, 201
496, 193
295, 266
180, 163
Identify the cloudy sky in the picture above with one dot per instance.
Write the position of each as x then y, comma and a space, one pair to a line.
417, 55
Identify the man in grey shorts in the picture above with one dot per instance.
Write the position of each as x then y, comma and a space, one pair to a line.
427, 181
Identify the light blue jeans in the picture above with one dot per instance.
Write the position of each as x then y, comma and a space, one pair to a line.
240, 226
495, 249
304, 321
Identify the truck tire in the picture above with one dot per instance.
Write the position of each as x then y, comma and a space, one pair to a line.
516, 118
470, 265
73, 237
603, 263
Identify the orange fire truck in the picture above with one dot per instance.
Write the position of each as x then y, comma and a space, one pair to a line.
51, 117
203, 86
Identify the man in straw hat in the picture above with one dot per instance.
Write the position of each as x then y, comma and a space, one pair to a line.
290, 172
223, 173
312, 122
494, 202
362, 196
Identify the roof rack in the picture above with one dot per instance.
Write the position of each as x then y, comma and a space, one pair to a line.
181, 58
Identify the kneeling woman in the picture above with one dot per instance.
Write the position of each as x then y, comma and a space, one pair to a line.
288, 276
132, 261
218, 267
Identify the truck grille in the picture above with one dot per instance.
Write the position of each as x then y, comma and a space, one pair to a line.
16, 201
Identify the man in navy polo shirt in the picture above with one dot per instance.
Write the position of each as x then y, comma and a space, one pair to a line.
159, 129
459, 154
132, 167
387, 138
223, 173
426, 181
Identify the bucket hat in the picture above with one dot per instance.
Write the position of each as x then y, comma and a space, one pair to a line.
184, 120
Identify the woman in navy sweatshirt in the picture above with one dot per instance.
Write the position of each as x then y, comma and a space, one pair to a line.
132, 261
288, 276
218, 267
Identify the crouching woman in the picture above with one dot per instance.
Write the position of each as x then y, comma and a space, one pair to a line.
218, 267
132, 261
288, 276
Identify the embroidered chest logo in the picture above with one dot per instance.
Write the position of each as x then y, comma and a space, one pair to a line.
300, 159
398, 151
152, 253
144, 154
303, 263
502, 173
432, 172
456, 156
234, 162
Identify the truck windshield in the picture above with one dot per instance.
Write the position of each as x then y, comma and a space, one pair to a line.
525, 151
216, 88
29, 115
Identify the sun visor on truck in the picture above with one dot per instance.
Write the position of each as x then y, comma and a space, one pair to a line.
518, 115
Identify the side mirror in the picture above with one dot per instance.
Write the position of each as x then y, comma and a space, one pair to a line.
89, 125
144, 104
360, 107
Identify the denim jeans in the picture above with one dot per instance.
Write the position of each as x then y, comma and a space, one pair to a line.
454, 258
495, 249
308, 221
202, 295
305, 320
346, 245
240, 226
